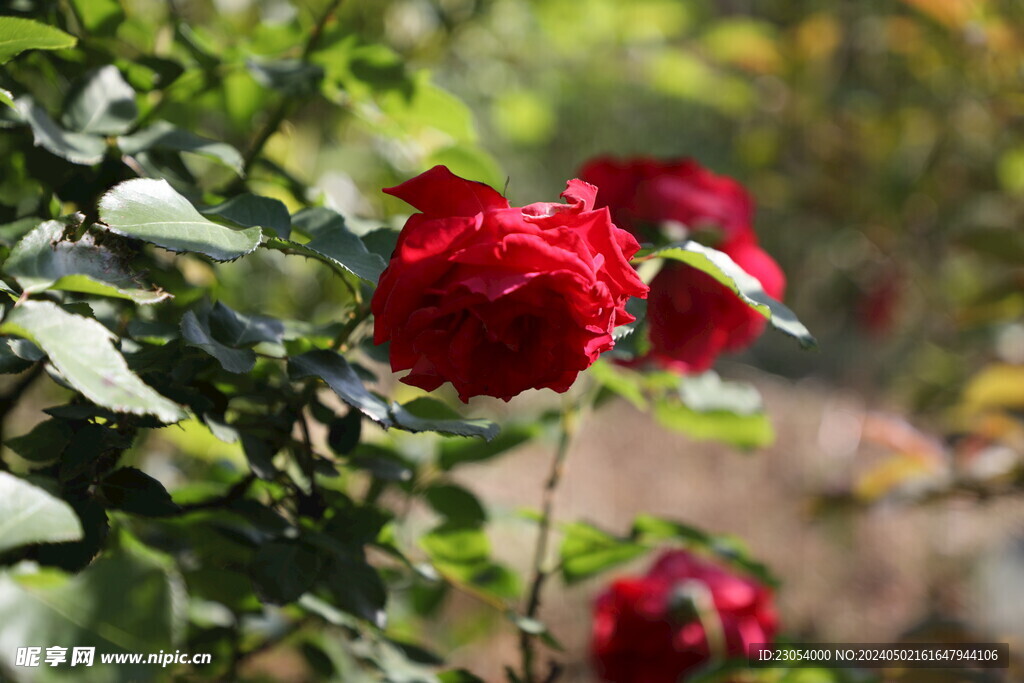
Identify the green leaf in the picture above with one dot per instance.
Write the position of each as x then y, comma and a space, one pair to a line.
625, 383
655, 532
332, 243
136, 492
455, 453
99, 17
260, 454
382, 242
6, 98
238, 329
28, 514
332, 368
455, 504
128, 600
10, 362
195, 330
453, 543
708, 392
426, 414
102, 103
78, 148
747, 287
281, 571
17, 35
151, 211
355, 587
343, 432
84, 353
743, 431
381, 463
713, 409
46, 441
163, 136
587, 551
471, 162
44, 260
292, 77
250, 210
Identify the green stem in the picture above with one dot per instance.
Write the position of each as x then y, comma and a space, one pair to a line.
568, 422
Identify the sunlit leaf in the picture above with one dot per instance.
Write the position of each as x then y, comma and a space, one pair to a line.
723, 269
587, 551
152, 211
28, 514
84, 353
102, 104
129, 600
167, 137
100, 17
44, 260
18, 35
743, 431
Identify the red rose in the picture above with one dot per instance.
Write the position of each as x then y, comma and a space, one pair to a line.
498, 299
651, 629
644, 193
691, 317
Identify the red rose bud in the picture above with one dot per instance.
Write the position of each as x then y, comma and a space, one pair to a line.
692, 318
498, 299
662, 627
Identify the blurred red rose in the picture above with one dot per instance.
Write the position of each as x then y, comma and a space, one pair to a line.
879, 304
498, 299
644, 193
651, 629
691, 317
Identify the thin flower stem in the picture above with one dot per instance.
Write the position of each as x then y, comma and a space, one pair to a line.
570, 415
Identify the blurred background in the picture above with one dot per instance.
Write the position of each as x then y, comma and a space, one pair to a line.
883, 141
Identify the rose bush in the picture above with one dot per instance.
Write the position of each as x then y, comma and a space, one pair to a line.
663, 626
692, 318
498, 299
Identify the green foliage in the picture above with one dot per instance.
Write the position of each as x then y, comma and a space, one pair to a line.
220, 465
